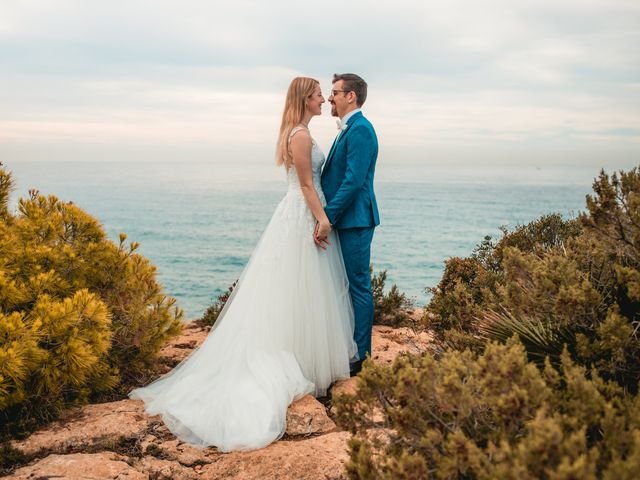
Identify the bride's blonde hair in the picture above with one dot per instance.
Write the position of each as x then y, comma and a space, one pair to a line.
300, 89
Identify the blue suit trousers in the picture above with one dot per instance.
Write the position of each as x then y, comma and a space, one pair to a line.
356, 251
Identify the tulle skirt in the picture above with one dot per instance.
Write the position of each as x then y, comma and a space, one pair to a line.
286, 331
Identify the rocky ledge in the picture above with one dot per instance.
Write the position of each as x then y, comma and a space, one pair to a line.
117, 440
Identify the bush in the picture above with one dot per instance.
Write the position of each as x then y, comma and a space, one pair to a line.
555, 283
214, 310
474, 285
79, 315
557, 397
390, 308
487, 416
465, 290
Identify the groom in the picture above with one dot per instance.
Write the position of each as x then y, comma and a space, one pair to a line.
347, 182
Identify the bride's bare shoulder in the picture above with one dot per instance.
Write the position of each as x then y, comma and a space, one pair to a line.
300, 136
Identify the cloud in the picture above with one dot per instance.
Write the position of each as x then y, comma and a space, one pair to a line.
446, 76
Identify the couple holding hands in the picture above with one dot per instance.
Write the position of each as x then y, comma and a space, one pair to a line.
301, 315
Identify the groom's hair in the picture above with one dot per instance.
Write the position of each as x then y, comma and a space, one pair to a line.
353, 83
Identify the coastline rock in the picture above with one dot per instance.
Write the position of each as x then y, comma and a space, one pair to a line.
177, 451
165, 469
307, 416
119, 440
98, 424
348, 386
313, 458
80, 466
388, 343
180, 347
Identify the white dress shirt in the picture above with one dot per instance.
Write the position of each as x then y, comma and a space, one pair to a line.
345, 119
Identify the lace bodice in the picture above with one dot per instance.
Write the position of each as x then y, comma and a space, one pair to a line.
317, 160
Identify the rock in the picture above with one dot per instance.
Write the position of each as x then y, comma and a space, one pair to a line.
80, 466
164, 469
307, 416
90, 425
180, 347
314, 458
348, 386
388, 343
149, 450
183, 453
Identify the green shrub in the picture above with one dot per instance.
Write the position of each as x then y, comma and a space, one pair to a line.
213, 311
79, 315
391, 308
488, 416
557, 398
555, 282
474, 285
466, 288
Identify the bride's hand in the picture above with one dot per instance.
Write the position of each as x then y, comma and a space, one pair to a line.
320, 234
324, 228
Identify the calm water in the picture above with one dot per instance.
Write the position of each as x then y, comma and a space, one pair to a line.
198, 222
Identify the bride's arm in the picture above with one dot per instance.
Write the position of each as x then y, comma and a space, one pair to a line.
301, 155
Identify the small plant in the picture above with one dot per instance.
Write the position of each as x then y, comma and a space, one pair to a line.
390, 308
541, 339
212, 312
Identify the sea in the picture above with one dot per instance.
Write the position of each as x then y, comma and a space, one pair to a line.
199, 222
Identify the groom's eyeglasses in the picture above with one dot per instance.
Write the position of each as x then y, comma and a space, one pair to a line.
335, 92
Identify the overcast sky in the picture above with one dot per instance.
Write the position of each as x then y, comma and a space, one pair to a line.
456, 81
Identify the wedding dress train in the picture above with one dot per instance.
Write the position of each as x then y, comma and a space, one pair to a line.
286, 331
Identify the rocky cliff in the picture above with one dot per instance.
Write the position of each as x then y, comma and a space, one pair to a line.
117, 440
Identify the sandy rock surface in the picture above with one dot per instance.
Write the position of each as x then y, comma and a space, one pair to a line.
387, 343
89, 426
307, 416
118, 440
181, 346
81, 466
319, 457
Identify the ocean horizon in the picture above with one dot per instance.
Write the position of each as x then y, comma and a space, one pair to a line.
199, 222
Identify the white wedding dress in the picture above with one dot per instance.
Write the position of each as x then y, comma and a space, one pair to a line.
286, 331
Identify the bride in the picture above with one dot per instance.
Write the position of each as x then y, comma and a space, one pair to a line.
287, 329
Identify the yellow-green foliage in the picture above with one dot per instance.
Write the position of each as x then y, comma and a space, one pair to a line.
471, 286
555, 283
78, 313
558, 399
489, 416
56, 351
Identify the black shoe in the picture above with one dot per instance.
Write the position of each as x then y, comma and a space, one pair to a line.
354, 368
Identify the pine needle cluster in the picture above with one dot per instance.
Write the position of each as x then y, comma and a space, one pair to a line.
79, 315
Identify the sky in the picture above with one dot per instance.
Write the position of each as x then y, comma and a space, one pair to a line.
520, 82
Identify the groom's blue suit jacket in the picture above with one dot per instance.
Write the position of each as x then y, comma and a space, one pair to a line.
347, 176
